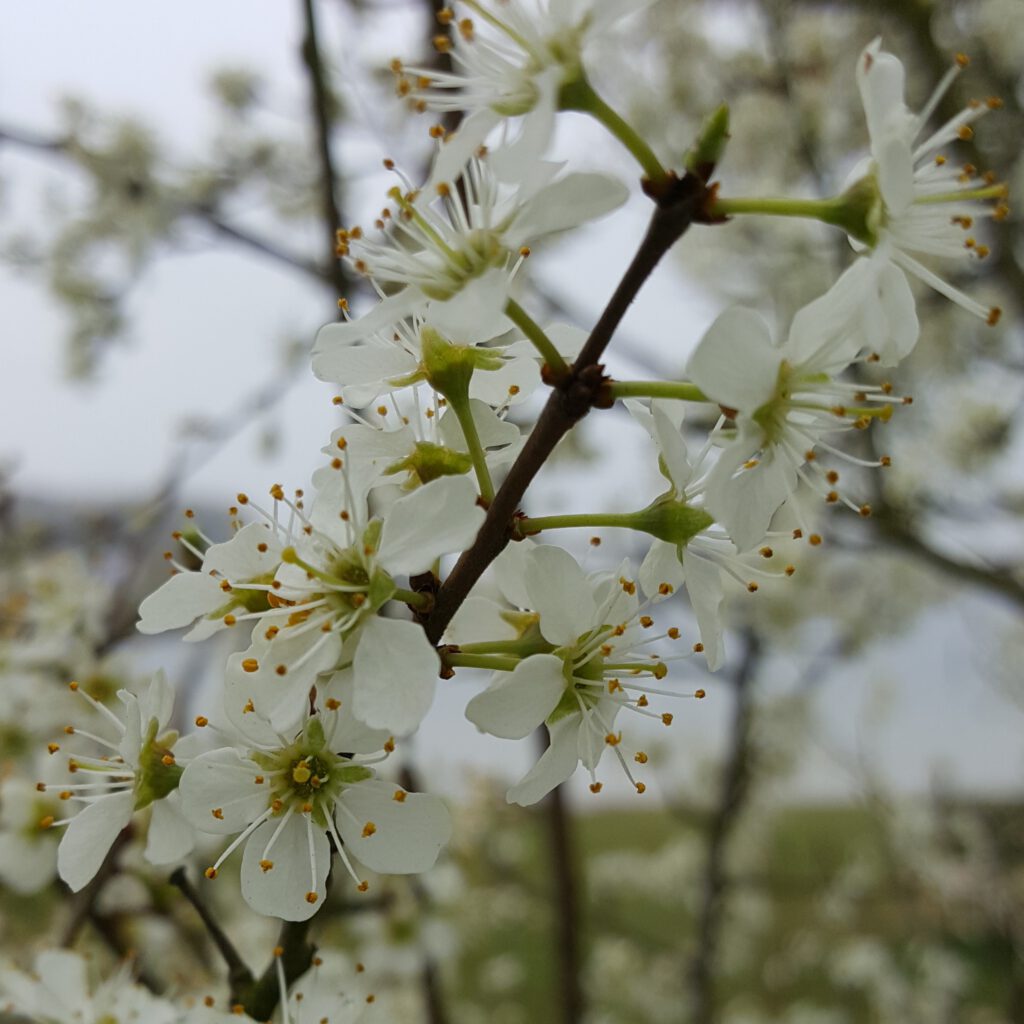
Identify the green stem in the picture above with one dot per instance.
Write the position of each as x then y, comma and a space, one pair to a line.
681, 390
421, 602
544, 345
521, 648
491, 661
528, 526
464, 414
828, 210
580, 95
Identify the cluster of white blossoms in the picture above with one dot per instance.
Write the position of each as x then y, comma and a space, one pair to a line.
336, 589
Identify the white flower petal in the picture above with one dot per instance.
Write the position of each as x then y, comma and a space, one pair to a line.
476, 312
560, 592
704, 587
281, 891
408, 833
566, 203
182, 599
660, 565
223, 781
89, 837
335, 338
345, 731
395, 675
516, 702
170, 836
556, 764
736, 363
436, 519
478, 619
241, 558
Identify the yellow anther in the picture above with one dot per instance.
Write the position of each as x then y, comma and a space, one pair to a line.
265, 866
640, 757
399, 796
369, 829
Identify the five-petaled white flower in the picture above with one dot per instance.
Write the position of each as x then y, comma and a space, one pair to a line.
590, 641
916, 203
452, 254
58, 992
313, 588
140, 771
514, 62
285, 796
784, 400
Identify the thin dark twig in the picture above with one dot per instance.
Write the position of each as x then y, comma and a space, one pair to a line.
296, 955
320, 107
565, 902
84, 899
107, 926
735, 779
239, 975
570, 400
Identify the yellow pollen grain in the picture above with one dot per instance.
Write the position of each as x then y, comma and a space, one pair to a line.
789, 570
249, 707
218, 813
814, 540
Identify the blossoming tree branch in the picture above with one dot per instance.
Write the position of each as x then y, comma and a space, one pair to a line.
410, 557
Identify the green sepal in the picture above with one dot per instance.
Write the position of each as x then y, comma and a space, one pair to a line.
860, 211
448, 367
431, 462
154, 779
671, 520
381, 589
349, 774
313, 736
568, 705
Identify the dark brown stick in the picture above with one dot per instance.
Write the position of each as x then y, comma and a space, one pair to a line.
571, 399
735, 778
320, 107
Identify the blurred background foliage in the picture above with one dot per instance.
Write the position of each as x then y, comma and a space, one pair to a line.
732, 902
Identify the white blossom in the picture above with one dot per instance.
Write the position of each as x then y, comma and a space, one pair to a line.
785, 400
920, 204
284, 796
58, 992
512, 60
590, 638
139, 771
452, 255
